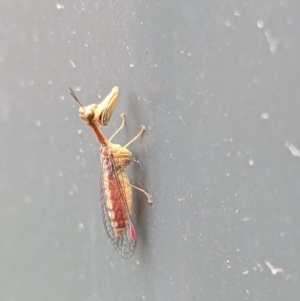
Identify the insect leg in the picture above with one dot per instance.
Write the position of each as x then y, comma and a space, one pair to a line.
119, 129
137, 136
144, 192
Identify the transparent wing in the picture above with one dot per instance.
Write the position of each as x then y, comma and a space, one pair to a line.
116, 216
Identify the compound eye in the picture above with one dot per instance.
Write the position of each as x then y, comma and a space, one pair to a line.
89, 115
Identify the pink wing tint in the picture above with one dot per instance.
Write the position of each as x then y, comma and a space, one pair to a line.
116, 217
132, 233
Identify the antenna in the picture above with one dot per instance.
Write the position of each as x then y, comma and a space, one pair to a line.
75, 97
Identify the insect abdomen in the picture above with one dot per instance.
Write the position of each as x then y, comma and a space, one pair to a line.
118, 192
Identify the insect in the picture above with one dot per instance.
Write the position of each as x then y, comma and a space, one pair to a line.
115, 188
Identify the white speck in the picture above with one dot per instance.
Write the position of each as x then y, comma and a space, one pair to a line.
293, 149
182, 51
189, 54
86, 45
59, 6
80, 226
265, 116
261, 268
283, 2
50, 82
251, 162
273, 42
132, 65
78, 88
181, 200
273, 270
227, 23
137, 161
72, 63
246, 219
81, 277
37, 123
228, 264
181, 118
245, 272
236, 12
260, 24
79, 7
62, 97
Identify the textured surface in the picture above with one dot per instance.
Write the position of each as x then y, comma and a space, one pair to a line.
216, 83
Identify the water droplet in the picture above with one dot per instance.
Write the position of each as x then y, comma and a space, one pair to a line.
59, 6
260, 24
236, 12
227, 23
72, 63
265, 116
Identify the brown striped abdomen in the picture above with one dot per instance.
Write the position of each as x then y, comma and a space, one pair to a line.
118, 191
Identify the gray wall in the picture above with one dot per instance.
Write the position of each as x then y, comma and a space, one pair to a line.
216, 83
